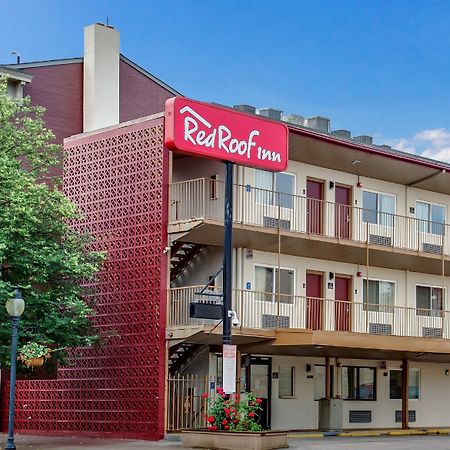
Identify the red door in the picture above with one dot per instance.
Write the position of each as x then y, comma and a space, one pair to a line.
342, 305
314, 304
342, 216
314, 208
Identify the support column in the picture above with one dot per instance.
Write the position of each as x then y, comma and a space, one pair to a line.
327, 377
405, 383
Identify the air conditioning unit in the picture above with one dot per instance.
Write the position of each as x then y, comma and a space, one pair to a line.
411, 415
272, 321
360, 416
431, 332
273, 222
380, 240
380, 328
432, 248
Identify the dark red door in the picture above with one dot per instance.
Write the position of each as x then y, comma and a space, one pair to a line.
342, 305
314, 208
342, 216
314, 303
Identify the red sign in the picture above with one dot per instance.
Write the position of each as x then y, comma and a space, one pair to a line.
214, 132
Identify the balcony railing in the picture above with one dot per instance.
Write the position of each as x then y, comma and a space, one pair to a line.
203, 198
264, 310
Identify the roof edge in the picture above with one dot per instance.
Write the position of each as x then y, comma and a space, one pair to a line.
388, 153
50, 62
149, 75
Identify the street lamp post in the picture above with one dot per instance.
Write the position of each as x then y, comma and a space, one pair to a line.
15, 307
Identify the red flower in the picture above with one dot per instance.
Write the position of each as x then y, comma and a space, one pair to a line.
259, 401
236, 421
224, 396
212, 428
205, 395
251, 414
226, 427
211, 419
224, 422
220, 390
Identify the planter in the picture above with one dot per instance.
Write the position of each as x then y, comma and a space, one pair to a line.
34, 362
240, 440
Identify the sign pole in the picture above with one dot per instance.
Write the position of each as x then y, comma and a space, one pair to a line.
228, 252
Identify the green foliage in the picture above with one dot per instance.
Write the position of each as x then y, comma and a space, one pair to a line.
231, 413
34, 350
39, 250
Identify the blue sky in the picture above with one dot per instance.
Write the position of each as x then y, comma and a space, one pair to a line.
377, 67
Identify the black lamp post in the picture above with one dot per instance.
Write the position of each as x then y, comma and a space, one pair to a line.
15, 307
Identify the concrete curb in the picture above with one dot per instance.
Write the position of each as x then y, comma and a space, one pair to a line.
369, 433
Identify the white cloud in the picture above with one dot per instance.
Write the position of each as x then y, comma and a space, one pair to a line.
431, 143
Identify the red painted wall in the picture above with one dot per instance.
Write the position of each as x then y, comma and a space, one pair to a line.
119, 179
139, 96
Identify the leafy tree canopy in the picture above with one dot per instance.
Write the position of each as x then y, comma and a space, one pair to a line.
39, 250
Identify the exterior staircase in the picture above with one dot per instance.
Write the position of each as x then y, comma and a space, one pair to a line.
181, 356
182, 254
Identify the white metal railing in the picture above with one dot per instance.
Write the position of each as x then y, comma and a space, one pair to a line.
268, 310
203, 198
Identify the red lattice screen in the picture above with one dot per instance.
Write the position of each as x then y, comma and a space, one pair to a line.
119, 180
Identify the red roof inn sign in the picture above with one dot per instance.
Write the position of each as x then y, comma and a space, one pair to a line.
205, 130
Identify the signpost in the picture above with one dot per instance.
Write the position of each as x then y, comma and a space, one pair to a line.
210, 131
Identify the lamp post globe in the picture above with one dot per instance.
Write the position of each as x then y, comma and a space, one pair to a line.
15, 307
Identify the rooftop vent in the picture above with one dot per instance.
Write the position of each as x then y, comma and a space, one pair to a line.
271, 113
245, 108
342, 133
364, 139
385, 146
319, 123
295, 119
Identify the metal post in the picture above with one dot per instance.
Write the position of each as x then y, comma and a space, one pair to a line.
12, 385
227, 252
405, 396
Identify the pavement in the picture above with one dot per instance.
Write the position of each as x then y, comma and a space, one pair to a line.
306, 442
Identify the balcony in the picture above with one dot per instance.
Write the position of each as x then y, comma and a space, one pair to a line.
353, 329
296, 225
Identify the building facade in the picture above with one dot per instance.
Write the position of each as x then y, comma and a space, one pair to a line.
340, 278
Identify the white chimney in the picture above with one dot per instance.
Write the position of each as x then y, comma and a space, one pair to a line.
101, 77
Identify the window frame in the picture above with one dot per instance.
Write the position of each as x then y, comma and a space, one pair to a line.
292, 375
411, 369
271, 193
432, 312
377, 306
374, 388
428, 222
273, 294
377, 211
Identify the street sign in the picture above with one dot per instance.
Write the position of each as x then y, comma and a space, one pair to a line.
229, 369
212, 131
201, 310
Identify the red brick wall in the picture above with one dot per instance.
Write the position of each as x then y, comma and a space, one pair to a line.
139, 96
60, 89
119, 180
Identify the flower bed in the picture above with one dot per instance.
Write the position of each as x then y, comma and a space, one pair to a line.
239, 440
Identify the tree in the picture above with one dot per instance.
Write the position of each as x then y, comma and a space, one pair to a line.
39, 249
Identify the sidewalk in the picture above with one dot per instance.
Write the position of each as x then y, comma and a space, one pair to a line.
27, 441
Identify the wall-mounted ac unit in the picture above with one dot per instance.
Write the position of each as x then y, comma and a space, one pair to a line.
431, 332
432, 248
273, 222
380, 240
360, 416
380, 328
411, 415
272, 321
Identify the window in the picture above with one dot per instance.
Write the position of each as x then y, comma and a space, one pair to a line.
359, 383
276, 189
319, 381
429, 300
381, 295
395, 384
431, 218
266, 281
213, 187
286, 382
378, 209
